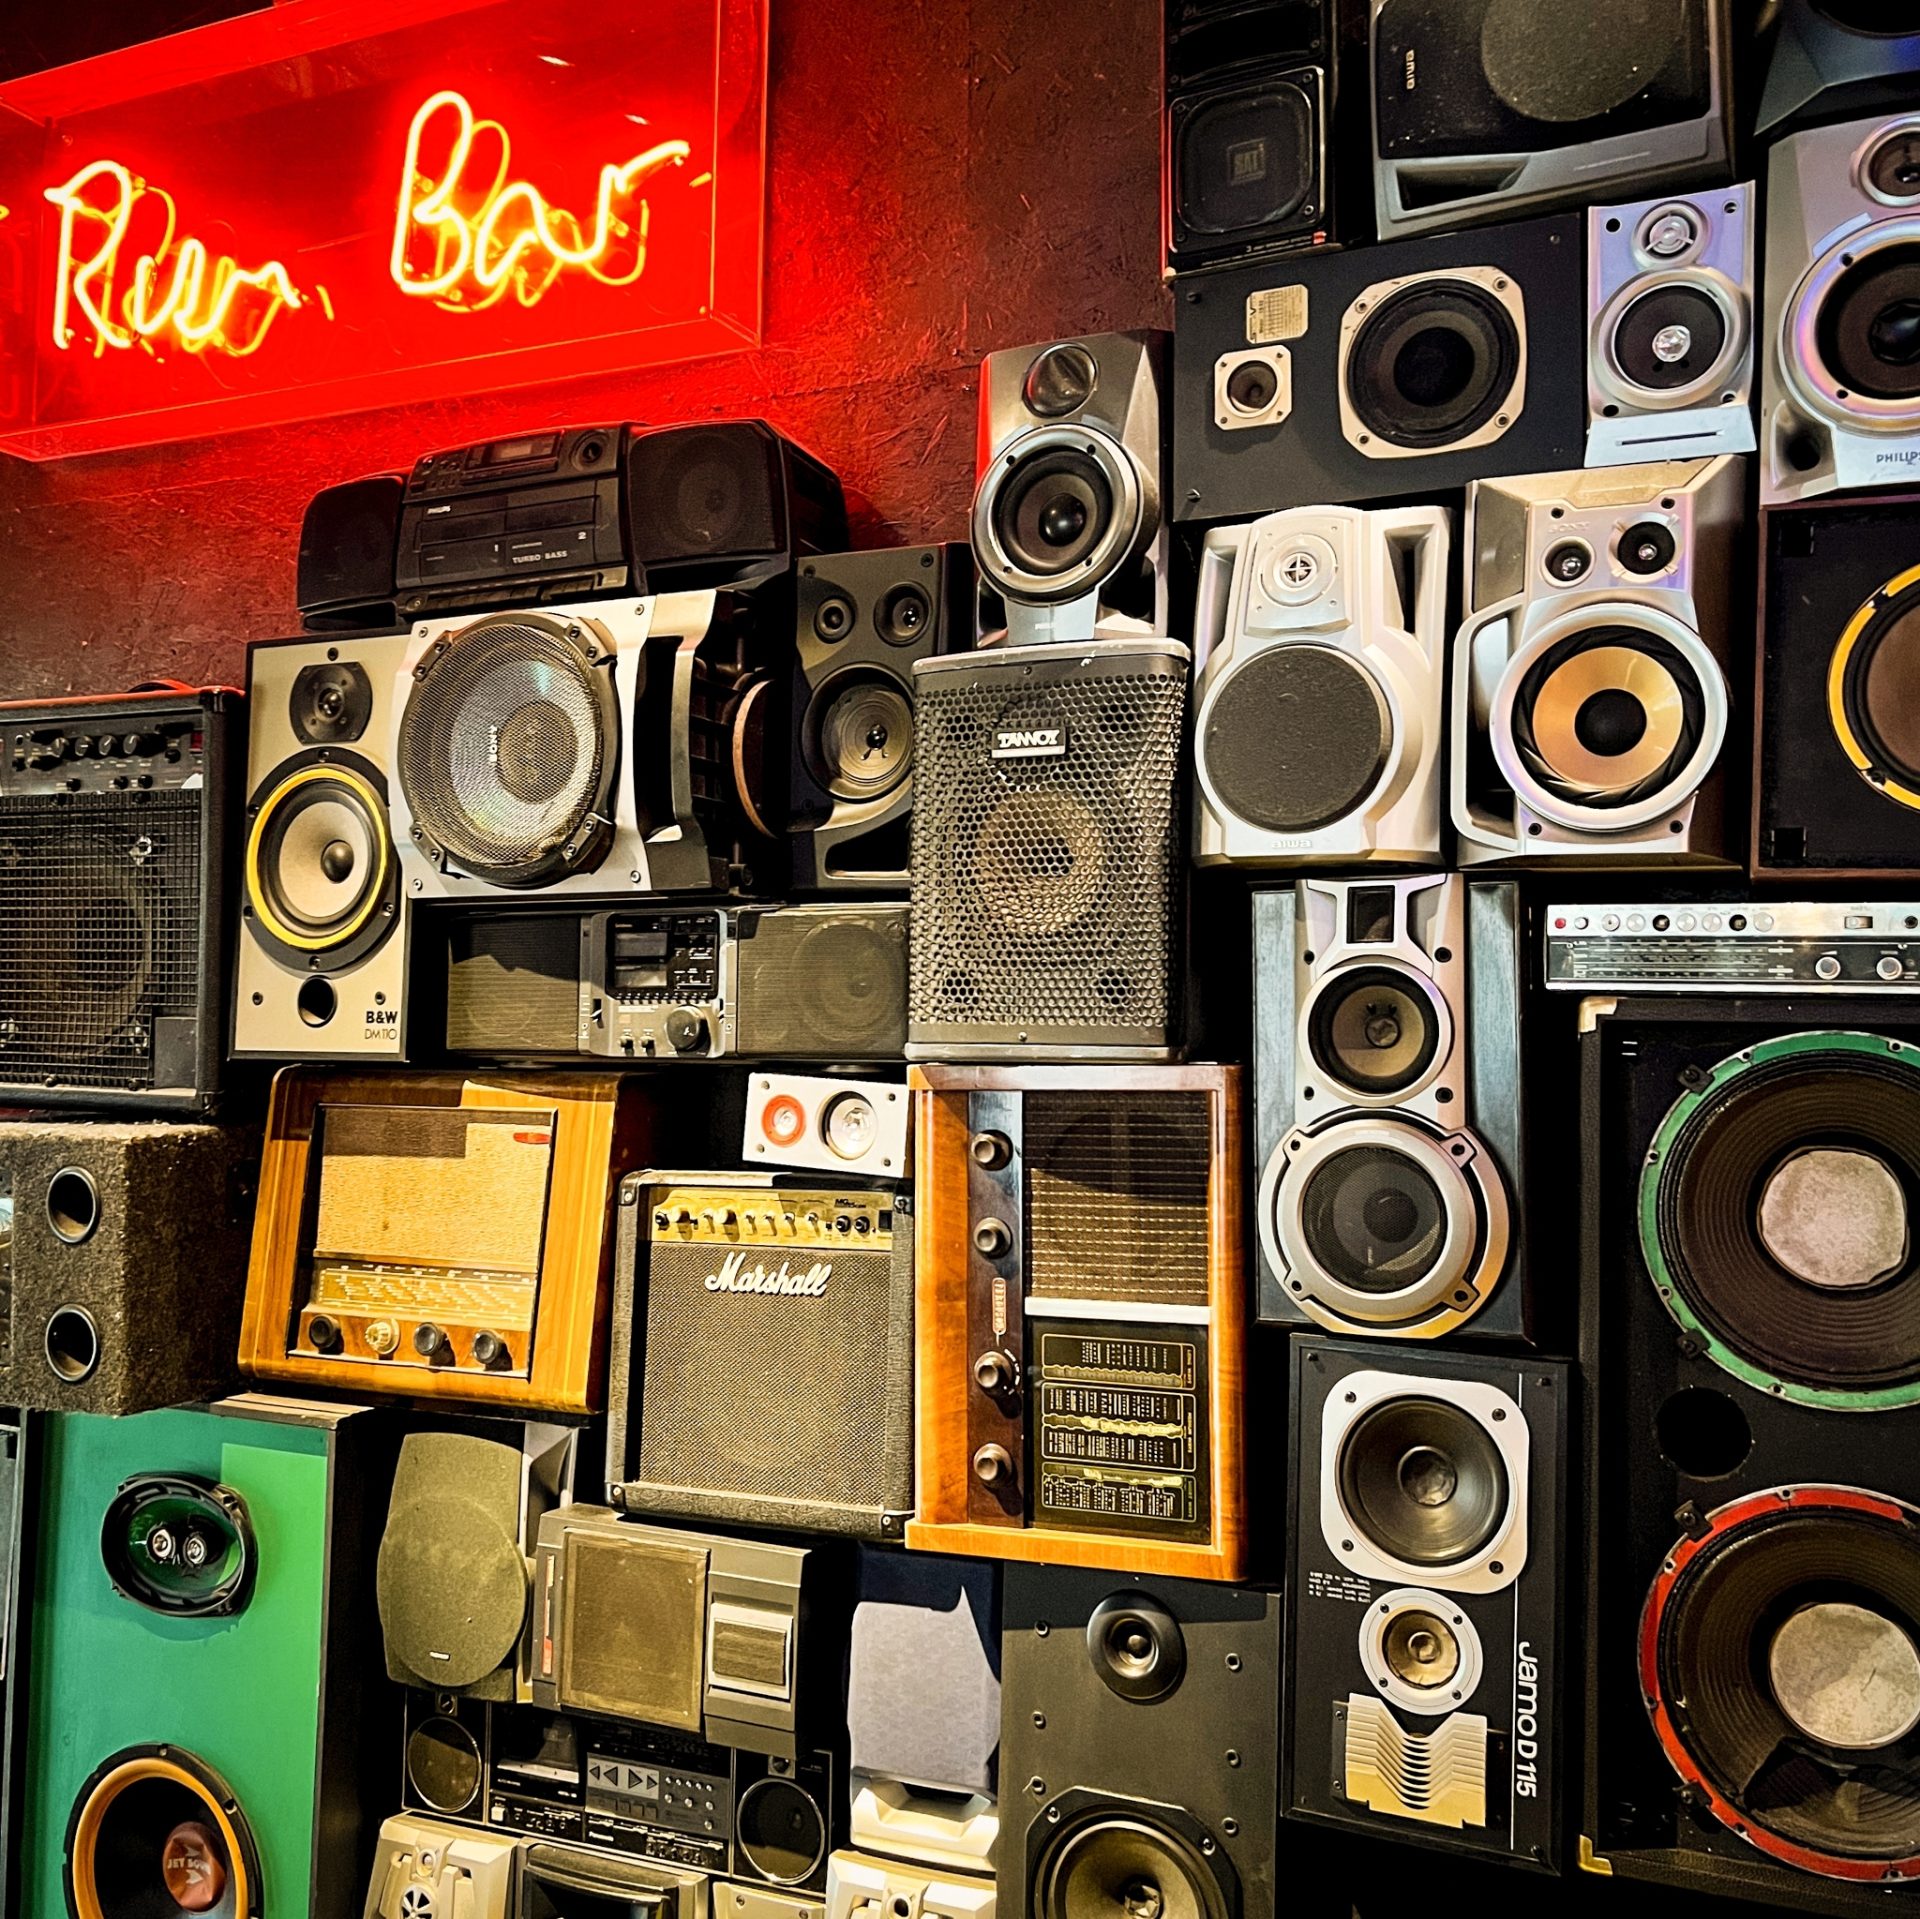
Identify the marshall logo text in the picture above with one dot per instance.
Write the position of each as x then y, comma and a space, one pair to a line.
736, 1276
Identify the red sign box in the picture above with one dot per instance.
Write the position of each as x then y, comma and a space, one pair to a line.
327, 206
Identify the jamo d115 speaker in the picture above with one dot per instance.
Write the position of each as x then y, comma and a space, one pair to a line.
126, 1260
201, 1704
1751, 1344
1425, 1583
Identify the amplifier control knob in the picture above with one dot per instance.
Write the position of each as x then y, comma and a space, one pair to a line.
994, 1238
1827, 966
1887, 966
993, 1465
686, 1032
323, 1334
489, 1349
429, 1341
990, 1150
383, 1336
141, 744
48, 752
996, 1373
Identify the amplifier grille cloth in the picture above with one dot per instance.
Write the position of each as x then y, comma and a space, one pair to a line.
99, 934
1044, 888
1117, 1195
635, 1629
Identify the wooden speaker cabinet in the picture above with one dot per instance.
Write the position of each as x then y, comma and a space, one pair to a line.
1080, 1306
441, 1236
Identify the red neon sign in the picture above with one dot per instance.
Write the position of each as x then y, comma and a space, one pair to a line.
334, 204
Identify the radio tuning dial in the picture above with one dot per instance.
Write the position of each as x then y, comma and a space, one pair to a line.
429, 1341
686, 1032
993, 1465
990, 1150
993, 1238
996, 1373
383, 1336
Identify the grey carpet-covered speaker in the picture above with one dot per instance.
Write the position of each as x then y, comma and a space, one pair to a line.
923, 1687
129, 1243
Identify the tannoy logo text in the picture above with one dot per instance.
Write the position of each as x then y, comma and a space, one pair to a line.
1526, 1724
735, 1276
1028, 742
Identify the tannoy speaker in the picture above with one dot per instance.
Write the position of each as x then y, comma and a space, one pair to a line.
863, 620
1389, 1107
1591, 700
1840, 383
1383, 371
1320, 636
1836, 756
1067, 525
347, 540
321, 964
1426, 1560
423, 1869
1751, 1342
126, 1261
1142, 1724
212, 1763
1490, 108
1833, 59
1047, 869
1670, 291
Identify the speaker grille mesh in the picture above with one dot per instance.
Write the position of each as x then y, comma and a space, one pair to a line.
635, 1629
513, 985
830, 985
1044, 887
99, 935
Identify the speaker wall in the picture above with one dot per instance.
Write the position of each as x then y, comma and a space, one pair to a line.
1379, 371
1831, 59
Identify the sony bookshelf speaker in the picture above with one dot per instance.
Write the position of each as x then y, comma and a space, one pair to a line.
1389, 1108
1397, 370
202, 1702
1751, 1348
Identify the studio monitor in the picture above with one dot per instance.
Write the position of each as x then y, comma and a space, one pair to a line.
1321, 638
1840, 387
193, 1760
1068, 528
1497, 107
1425, 1580
114, 831
126, 1261
1381, 371
1591, 694
1387, 1026
1833, 59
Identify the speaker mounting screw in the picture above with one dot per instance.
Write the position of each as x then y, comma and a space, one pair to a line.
1041, 1629
1233, 1662
1039, 1722
1233, 1758
1209, 1845
1037, 1786
1230, 1827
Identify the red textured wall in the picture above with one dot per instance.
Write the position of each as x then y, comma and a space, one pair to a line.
945, 180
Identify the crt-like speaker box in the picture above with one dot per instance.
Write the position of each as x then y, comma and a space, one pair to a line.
128, 1261
200, 1722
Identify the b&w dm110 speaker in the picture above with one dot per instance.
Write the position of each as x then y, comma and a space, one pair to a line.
1321, 637
321, 966
1835, 59
1426, 1569
1670, 328
1067, 527
1840, 382
1484, 109
1378, 372
1591, 700
1387, 1028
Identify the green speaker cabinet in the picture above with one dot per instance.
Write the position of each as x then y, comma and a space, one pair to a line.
206, 1698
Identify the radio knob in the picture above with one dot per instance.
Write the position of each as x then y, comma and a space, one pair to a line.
996, 1373
993, 1465
1887, 966
686, 1032
429, 1341
489, 1349
990, 1150
1827, 966
993, 1238
323, 1334
382, 1336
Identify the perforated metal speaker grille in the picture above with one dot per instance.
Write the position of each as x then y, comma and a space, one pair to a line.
99, 935
1117, 1195
506, 748
1044, 888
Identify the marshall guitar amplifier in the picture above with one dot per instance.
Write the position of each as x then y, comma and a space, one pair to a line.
763, 1352
1080, 1303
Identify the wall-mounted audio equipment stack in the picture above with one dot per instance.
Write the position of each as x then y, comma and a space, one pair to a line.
822, 981
321, 965
1840, 382
114, 946
1591, 697
1751, 1344
1390, 1107
441, 1237
1836, 756
191, 1742
1141, 1721
752, 1304
1670, 328
1496, 107
1321, 638
1080, 1316
1395, 370
1426, 1567
862, 621
125, 1261
1833, 60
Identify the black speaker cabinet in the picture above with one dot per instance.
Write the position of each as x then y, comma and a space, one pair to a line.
1837, 706
1426, 1561
1139, 1735
1831, 59
18, 1434
1751, 1344
347, 541
862, 622
1351, 376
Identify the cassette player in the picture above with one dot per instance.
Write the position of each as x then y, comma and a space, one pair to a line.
514, 522
1734, 946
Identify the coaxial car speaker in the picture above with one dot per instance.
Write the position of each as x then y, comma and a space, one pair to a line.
179, 1545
